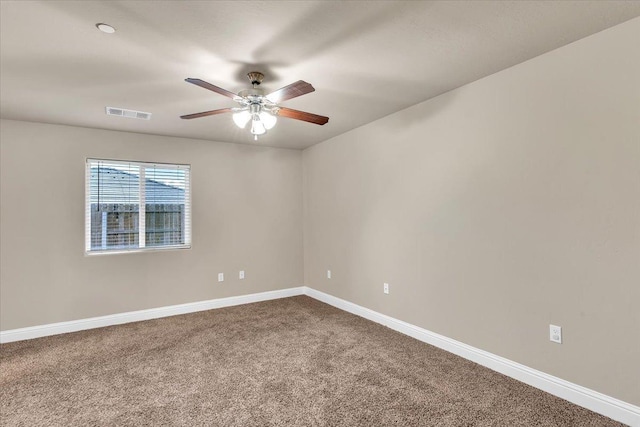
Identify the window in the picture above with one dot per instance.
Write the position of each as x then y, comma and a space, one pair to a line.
132, 206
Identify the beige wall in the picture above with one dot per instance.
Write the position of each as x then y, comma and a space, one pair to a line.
247, 214
497, 209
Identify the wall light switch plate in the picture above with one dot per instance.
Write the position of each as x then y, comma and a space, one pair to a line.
220, 277
385, 288
555, 334
241, 275
328, 274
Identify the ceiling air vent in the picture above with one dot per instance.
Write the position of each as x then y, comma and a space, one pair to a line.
132, 114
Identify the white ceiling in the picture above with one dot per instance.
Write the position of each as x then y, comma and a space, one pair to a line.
365, 59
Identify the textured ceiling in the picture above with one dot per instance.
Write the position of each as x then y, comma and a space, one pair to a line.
365, 59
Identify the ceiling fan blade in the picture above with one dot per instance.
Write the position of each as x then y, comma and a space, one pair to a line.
207, 113
302, 115
293, 90
211, 87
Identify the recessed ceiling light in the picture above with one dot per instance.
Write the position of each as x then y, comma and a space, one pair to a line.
106, 28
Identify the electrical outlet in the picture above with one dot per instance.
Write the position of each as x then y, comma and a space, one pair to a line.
220, 277
555, 334
241, 275
328, 274
385, 288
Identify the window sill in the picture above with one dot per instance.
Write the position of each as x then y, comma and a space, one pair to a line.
135, 251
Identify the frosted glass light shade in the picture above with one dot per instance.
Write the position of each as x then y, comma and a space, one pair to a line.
269, 120
257, 127
241, 118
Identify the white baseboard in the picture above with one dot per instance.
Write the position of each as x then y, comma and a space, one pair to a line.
597, 402
136, 316
587, 398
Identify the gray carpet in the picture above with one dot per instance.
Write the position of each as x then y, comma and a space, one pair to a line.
288, 362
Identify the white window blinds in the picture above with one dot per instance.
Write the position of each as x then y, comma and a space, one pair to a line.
136, 205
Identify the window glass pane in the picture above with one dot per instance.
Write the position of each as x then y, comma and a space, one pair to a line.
115, 205
165, 198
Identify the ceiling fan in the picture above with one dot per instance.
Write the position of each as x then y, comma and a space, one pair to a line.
260, 108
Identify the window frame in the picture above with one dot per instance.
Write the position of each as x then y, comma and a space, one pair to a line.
141, 210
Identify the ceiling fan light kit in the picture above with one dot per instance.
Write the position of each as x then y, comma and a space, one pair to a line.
259, 108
